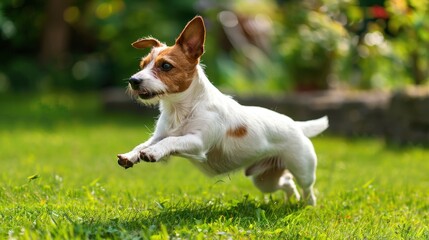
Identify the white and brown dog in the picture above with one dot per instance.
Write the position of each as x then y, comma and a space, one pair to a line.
212, 130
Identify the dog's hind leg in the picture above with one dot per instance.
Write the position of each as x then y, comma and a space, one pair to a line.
287, 184
303, 168
269, 177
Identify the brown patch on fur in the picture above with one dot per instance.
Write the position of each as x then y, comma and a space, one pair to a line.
180, 77
238, 132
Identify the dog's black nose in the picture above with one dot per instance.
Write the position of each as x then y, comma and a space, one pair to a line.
134, 82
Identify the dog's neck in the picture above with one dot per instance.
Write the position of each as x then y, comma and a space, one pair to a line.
180, 106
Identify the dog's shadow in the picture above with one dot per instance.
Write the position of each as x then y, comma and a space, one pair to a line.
241, 214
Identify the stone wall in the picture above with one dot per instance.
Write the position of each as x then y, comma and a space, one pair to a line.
408, 117
400, 117
349, 113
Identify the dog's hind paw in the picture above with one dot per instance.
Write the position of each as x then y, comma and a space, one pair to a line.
124, 162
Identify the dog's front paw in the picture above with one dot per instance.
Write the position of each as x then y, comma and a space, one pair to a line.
123, 162
126, 161
150, 155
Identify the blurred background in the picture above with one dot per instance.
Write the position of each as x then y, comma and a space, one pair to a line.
252, 46
353, 60
64, 115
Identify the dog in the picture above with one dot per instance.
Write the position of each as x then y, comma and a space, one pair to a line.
213, 131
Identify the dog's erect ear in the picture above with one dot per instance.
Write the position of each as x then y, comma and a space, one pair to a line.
146, 43
192, 38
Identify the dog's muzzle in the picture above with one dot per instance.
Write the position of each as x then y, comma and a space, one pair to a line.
143, 93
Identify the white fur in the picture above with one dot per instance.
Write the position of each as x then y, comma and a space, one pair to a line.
194, 124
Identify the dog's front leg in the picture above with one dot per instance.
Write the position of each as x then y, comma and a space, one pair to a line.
128, 159
190, 146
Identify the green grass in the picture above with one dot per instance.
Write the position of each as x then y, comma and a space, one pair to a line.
60, 180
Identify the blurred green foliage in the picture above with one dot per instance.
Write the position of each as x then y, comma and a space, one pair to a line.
98, 50
252, 46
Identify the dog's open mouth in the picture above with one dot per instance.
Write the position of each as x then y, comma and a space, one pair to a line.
148, 95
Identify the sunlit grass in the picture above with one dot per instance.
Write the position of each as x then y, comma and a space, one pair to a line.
60, 180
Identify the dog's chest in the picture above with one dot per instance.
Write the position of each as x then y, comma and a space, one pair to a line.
217, 162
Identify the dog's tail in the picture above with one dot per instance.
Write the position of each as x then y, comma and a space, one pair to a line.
314, 127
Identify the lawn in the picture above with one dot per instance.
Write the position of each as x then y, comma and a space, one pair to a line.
60, 180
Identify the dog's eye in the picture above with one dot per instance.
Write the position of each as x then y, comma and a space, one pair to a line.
165, 66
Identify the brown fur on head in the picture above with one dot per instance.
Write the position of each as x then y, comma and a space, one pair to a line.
173, 66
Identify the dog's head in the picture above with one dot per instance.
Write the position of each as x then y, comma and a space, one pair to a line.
168, 69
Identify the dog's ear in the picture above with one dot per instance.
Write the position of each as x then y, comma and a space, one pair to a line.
146, 43
192, 38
